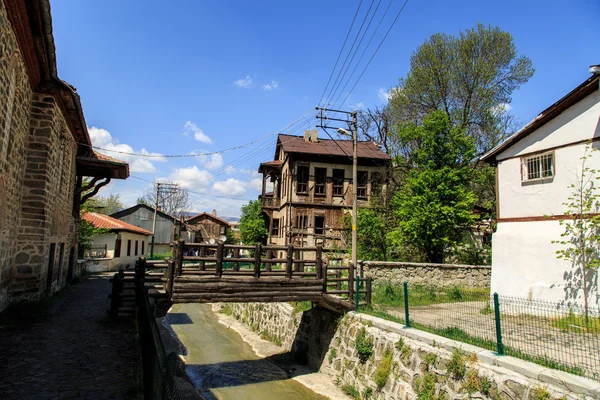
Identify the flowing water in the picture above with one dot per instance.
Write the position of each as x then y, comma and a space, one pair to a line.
223, 366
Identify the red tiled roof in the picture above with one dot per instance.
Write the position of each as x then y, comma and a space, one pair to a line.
297, 144
106, 222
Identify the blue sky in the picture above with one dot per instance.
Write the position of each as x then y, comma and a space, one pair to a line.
197, 76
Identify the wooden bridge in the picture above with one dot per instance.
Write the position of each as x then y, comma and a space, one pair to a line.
209, 273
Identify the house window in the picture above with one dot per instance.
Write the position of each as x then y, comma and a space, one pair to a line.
320, 176
302, 180
128, 248
338, 182
537, 167
143, 243
221, 230
363, 179
118, 247
319, 225
275, 228
301, 221
136, 247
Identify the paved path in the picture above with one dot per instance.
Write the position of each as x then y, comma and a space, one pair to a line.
72, 352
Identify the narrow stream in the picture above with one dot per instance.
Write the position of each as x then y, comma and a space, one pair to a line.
223, 366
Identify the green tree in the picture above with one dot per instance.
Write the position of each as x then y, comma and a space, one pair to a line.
470, 77
105, 204
253, 224
435, 204
581, 237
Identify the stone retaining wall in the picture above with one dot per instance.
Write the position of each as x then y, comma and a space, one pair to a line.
443, 275
421, 365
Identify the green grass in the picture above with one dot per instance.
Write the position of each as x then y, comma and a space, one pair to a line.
301, 306
351, 391
393, 295
159, 256
576, 323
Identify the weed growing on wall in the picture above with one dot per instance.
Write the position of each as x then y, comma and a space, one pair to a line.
332, 355
540, 394
425, 387
364, 346
351, 391
457, 366
383, 370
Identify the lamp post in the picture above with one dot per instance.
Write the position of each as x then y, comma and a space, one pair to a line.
354, 189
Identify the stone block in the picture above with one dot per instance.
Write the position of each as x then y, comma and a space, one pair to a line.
522, 367
570, 382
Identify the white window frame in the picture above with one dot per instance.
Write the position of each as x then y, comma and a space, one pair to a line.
537, 166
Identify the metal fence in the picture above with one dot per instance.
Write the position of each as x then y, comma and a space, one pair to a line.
158, 378
550, 334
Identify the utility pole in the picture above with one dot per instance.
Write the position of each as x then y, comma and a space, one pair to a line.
353, 124
154, 220
163, 189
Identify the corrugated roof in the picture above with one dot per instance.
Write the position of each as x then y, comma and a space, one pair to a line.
106, 222
297, 144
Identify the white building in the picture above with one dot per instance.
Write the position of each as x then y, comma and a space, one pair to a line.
534, 169
119, 248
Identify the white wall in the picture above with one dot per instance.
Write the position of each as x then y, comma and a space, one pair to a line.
524, 263
114, 264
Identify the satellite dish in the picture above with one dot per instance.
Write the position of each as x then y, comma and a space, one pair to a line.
211, 241
223, 238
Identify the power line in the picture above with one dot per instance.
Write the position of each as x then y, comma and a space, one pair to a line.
341, 51
376, 50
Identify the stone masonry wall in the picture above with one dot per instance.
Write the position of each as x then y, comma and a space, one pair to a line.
406, 363
442, 275
15, 104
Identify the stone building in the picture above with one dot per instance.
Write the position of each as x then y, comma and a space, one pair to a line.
44, 154
312, 188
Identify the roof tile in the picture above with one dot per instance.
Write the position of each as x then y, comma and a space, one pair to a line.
106, 222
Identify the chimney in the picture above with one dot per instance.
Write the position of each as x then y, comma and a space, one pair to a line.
158, 208
314, 136
214, 213
306, 135
595, 69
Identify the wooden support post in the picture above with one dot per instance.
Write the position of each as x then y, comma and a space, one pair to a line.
219, 267
179, 259
202, 253
170, 278
319, 262
297, 266
236, 254
369, 291
350, 281
362, 269
324, 269
290, 259
115, 297
257, 260
269, 256
338, 275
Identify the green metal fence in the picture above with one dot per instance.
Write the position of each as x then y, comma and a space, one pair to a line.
550, 334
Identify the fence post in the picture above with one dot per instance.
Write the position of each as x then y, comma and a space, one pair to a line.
406, 314
290, 259
362, 268
499, 344
257, 255
350, 281
236, 254
219, 266
324, 274
269, 256
170, 278
319, 262
338, 275
202, 253
297, 266
357, 294
369, 291
179, 259
115, 296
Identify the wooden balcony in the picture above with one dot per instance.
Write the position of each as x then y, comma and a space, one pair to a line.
270, 203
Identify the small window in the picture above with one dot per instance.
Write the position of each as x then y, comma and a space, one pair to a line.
537, 167
128, 248
301, 221
275, 228
319, 225
302, 180
320, 176
136, 248
338, 182
222, 230
363, 179
143, 243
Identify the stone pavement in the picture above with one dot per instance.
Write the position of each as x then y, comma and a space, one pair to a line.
71, 352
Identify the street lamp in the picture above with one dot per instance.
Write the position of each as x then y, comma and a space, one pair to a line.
343, 131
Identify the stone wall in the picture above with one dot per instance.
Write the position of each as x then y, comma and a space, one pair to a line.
405, 363
442, 275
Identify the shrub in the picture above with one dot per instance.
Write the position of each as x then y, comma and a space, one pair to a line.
540, 394
456, 366
425, 387
351, 391
456, 294
363, 346
430, 360
383, 370
367, 393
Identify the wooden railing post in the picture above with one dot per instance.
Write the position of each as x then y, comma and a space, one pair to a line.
290, 259
338, 275
369, 291
297, 266
202, 253
219, 267
257, 255
362, 269
170, 278
179, 257
324, 272
319, 262
350, 281
236, 254
269, 256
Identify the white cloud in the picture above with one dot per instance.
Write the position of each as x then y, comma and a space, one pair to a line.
229, 170
244, 83
358, 106
383, 95
213, 161
191, 128
271, 86
102, 138
256, 184
191, 177
230, 187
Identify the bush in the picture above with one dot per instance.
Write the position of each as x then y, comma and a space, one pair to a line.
363, 346
383, 370
425, 387
351, 391
457, 366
